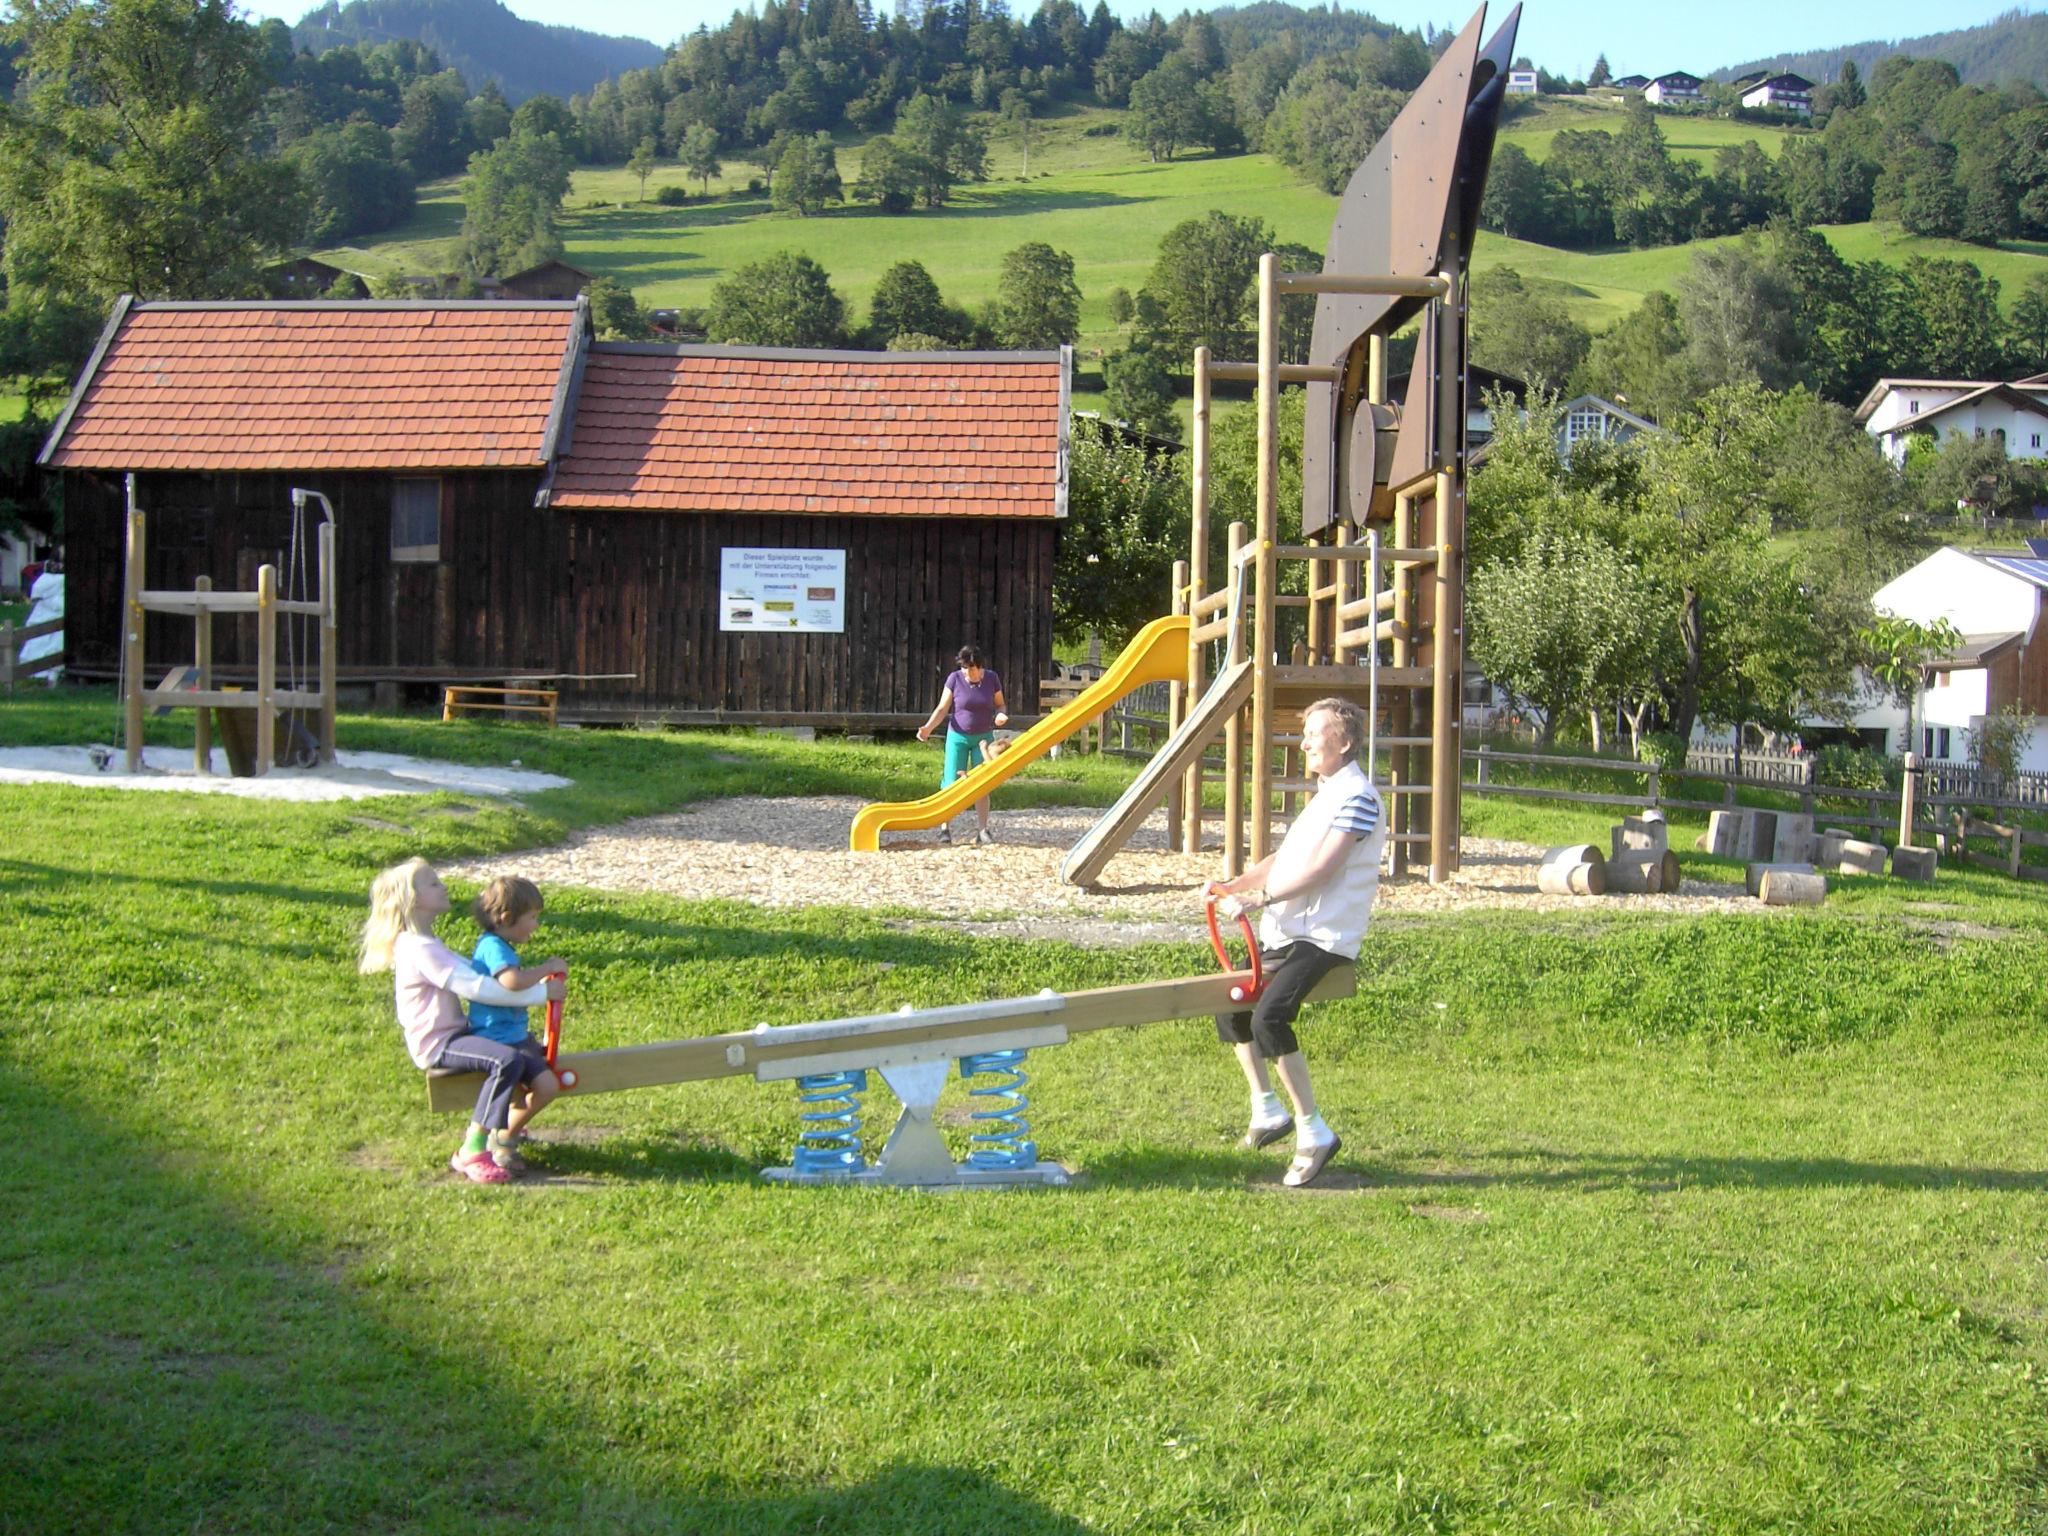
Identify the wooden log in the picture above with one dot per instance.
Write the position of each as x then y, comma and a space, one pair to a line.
1914, 864
1762, 842
1789, 888
1644, 875
1583, 879
1640, 835
1829, 853
1753, 877
1728, 834
1794, 844
1575, 853
1861, 858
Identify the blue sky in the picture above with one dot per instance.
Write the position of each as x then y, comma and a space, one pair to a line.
1564, 36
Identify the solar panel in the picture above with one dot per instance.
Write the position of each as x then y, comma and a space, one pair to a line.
2038, 548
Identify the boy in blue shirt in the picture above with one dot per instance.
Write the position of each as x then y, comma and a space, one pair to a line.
508, 910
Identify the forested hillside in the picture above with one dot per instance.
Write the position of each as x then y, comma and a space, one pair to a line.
2012, 48
483, 40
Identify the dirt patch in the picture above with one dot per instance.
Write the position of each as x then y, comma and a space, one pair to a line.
1945, 932
1461, 1213
793, 853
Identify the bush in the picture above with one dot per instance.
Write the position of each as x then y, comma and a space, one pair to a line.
1664, 748
671, 197
755, 186
1855, 768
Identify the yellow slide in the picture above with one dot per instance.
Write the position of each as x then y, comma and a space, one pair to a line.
1158, 654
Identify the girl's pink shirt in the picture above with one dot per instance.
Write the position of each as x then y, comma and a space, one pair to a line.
430, 1014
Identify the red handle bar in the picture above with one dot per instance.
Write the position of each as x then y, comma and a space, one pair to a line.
554, 1041
1237, 994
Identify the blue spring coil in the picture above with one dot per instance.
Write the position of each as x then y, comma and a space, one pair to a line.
829, 1108
1004, 1144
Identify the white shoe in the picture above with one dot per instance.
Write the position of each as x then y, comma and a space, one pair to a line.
984, 837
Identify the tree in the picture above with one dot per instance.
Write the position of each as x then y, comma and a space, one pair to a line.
806, 175
641, 163
430, 135
1639, 361
1959, 307
785, 300
615, 313
907, 302
699, 154
1601, 73
1522, 332
1038, 304
1547, 625
2026, 342
127, 155
487, 116
1998, 743
1016, 114
1127, 521
510, 203
943, 148
1201, 279
1139, 389
1166, 109
1519, 195
1896, 653
1121, 309
352, 182
889, 176
1737, 312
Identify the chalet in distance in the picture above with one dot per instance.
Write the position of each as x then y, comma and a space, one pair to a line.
739, 534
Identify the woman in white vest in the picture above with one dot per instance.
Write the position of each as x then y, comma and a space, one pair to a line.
1314, 897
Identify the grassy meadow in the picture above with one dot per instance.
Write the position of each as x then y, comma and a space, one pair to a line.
1090, 193
1645, 1223
1686, 136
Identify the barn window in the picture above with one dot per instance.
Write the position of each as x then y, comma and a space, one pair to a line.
1912, 407
416, 520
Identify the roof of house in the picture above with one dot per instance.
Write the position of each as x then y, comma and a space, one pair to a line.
1874, 397
2018, 399
1678, 77
758, 429
336, 386
1630, 82
542, 269
1640, 423
1976, 650
1776, 82
2030, 568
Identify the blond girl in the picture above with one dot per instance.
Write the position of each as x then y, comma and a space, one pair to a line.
432, 981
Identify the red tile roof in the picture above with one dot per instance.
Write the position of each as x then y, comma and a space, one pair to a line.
320, 386
868, 434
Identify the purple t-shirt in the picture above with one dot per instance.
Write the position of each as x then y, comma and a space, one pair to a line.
974, 704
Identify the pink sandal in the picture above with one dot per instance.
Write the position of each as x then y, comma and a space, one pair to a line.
478, 1168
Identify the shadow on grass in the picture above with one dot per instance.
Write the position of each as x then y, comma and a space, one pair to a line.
1523, 1168
171, 1361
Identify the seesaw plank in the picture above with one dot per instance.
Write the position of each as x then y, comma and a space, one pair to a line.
662, 1062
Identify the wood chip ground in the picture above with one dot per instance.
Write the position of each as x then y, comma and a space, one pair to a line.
793, 853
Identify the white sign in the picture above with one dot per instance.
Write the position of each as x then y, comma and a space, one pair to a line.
800, 591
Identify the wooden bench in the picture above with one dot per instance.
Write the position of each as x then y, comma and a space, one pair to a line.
504, 701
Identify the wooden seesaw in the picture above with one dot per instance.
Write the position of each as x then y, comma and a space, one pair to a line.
914, 1051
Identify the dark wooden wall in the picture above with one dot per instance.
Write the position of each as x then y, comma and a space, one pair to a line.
522, 590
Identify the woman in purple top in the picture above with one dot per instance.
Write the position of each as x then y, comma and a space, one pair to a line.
973, 699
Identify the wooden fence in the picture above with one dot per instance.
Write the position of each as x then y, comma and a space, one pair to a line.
1935, 792
12, 639
1957, 781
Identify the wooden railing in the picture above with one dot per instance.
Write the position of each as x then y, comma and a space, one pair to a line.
12, 668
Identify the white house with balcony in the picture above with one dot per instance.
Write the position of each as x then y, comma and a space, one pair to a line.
1677, 89
1994, 599
2016, 414
1521, 82
1779, 93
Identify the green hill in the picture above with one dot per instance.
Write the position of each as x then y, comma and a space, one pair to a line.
1090, 193
2013, 47
483, 40
1686, 136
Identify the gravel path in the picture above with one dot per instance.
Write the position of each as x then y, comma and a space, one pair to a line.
788, 853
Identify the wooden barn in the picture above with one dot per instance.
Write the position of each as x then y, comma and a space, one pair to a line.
720, 534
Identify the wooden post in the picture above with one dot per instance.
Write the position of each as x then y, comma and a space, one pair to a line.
1446, 680
266, 668
132, 660
1656, 779
1198, 586
1233, 751
202, 662
1344, 576
1806, 787
7, 645
329, 649
1401, 767
1906, 801
1265, 610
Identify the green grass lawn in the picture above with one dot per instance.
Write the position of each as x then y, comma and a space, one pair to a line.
1686, 136
1725, 1223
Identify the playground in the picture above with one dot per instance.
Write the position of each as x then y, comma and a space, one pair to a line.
1673, 1210
1647, 1217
